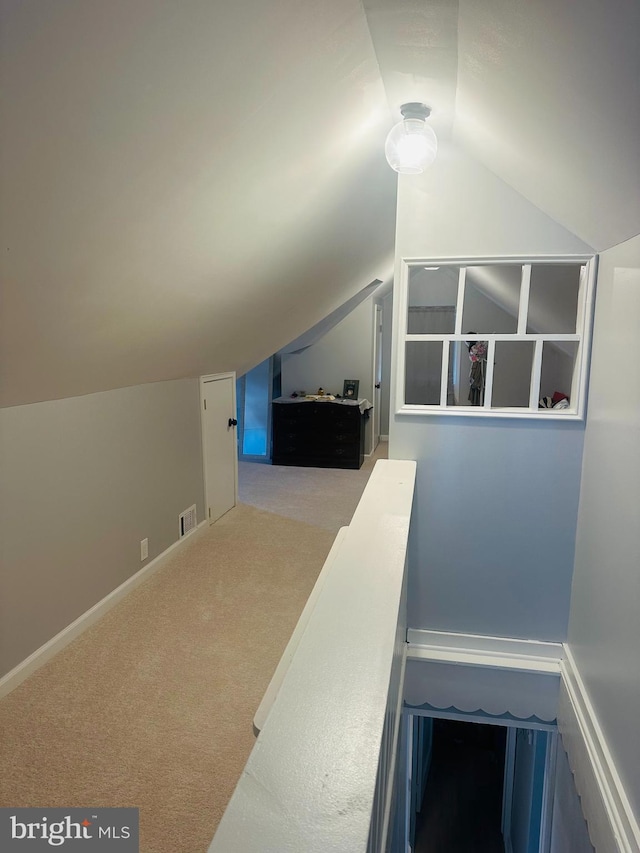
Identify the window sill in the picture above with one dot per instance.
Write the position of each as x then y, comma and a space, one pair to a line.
477, 412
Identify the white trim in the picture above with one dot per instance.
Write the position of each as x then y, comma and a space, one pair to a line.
584, 322
469, 261
485, 644
408, 803
213, 377
478, 412
444, 374
488, 379
473, 717
35, 660
507, 786
536, 375
391, 780
494, 336
462, 278
483, 651
260, 717
520, 663
606, 807
400, 324
523, 305
548, 792
384, 438
587, 308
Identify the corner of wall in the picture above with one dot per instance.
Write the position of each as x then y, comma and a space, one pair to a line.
605, 804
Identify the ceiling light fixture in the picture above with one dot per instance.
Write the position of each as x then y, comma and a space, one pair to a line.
411, 145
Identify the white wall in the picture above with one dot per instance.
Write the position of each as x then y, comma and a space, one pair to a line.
492, 542
345, 352
604, 630
83, 481
569, 833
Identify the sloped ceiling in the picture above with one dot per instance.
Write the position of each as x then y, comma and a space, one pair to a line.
186, 187
549, 98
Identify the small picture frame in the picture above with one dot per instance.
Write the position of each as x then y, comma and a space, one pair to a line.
350, 389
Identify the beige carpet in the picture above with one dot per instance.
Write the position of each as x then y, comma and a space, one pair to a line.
325, 497
152, 707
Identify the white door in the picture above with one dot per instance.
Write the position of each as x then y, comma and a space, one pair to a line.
219, 447
377, 375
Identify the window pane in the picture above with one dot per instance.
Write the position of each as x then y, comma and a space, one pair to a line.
553, 299
433, 294
556, 378
423, 371
512, 374
492, 299
431, 320
467, 377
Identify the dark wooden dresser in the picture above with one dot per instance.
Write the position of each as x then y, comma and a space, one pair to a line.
318, 434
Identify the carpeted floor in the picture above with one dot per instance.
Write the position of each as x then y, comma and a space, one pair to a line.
325, 497
152, 707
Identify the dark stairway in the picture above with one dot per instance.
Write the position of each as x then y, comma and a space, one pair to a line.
462, 806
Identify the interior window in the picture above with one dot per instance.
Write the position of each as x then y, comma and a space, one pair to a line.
500, 338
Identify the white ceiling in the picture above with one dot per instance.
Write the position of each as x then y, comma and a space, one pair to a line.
186, 187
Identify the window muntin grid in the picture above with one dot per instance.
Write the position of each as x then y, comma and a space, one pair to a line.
544, 305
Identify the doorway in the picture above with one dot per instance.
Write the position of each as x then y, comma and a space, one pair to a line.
478, 785
255, 391
461, 807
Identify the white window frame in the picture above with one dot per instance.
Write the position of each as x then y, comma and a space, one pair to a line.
584, 321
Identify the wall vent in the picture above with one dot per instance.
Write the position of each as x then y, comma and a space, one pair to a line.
187, 521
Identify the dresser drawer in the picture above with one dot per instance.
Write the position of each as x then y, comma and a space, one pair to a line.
324, 435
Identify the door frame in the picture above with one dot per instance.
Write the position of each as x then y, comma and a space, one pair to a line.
548, 786
507, 788
208, 487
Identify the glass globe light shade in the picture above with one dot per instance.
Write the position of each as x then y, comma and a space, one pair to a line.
411, 146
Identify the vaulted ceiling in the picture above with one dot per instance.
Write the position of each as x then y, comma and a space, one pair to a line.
186, 187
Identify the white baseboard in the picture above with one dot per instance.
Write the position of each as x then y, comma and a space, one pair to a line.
28, 666
384, 438
606, 807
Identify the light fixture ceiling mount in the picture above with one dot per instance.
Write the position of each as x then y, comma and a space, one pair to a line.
411, 145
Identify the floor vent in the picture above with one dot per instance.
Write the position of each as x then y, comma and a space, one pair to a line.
187, 521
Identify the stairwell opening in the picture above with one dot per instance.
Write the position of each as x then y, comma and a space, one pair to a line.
479, 786
461, 808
